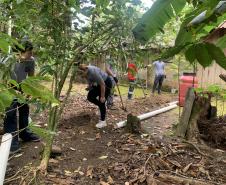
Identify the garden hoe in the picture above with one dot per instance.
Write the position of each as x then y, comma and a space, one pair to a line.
123, 107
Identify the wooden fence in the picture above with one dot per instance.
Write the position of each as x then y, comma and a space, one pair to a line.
210, 76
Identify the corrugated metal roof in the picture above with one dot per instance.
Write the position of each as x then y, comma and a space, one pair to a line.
222, 25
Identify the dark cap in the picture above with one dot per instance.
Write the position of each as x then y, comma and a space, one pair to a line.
25, 45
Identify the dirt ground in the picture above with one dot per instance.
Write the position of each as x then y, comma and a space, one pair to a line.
111, 156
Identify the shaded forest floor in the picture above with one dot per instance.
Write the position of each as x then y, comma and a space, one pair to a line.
112, 156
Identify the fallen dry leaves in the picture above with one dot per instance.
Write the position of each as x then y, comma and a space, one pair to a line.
138, 160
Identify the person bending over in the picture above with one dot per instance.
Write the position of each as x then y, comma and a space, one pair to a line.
100, 87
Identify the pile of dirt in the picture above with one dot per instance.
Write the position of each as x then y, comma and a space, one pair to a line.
78, 107
214, 131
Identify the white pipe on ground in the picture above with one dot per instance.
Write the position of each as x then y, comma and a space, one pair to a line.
174, 102
4, 155
150, 114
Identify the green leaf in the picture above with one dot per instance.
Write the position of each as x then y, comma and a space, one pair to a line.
217, 54
209, 11
190, 54
188, 32
87, 11
19, 1
32, 86
102, 3
202, 55
154, 20
13, 82
6, 98
6, 41
4, 45
222, 42
214, 88
224, 96
199, 89
185, 34
42, 132
172, 52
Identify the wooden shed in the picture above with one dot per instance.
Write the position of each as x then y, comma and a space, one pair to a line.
210, 75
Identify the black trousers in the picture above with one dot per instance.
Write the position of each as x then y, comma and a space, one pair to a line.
158, 82
10, 120
131, 89
94, 97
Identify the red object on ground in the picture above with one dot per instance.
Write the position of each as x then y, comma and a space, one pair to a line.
186, 80
132, 71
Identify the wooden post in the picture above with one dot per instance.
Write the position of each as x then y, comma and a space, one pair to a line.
200, 110
184, 120
133, 124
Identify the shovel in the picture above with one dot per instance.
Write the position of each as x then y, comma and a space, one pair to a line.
123, 108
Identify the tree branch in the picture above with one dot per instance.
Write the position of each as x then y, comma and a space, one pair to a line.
223, 77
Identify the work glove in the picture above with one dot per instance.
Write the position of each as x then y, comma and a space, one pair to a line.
115, 79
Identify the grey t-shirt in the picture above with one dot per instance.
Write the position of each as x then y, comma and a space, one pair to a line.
95, 75
110, 66
159, 68
22, 68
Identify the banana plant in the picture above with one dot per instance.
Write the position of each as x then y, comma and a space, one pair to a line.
203, 17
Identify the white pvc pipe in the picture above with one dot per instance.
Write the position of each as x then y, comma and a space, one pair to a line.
150, 114
172, 103
4, 155
153, 113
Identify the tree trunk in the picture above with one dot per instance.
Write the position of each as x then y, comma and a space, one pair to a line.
196, 108
133, 124
48, 147
186, 114
200, 110
46, 155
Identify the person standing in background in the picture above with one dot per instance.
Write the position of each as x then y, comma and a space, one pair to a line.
159, 75
132, 72
109, 68
24, 67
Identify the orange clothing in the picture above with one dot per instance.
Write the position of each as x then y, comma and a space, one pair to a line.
132, 71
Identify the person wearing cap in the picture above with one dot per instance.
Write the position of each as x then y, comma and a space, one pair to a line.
100, 85
25, 66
